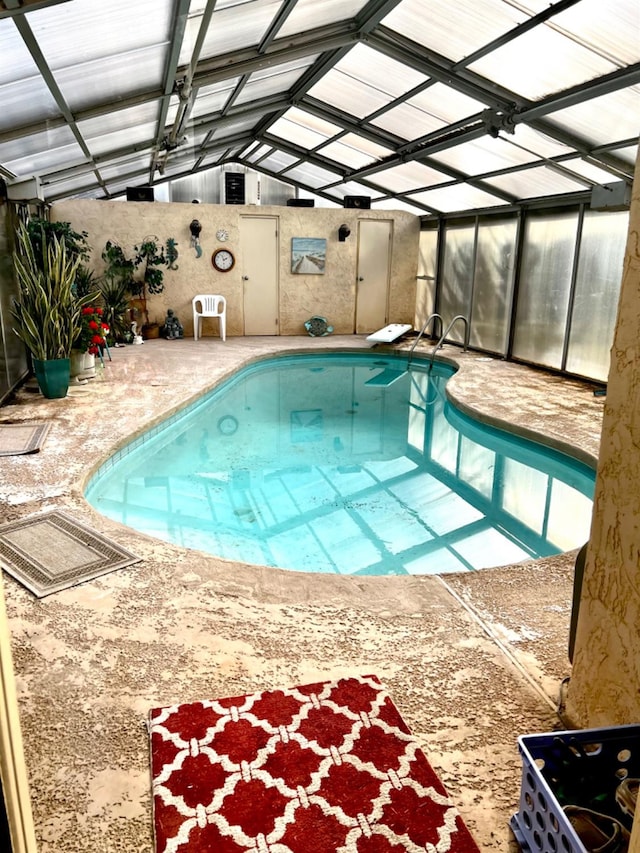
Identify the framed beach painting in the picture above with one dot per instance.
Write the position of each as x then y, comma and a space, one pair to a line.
308, 255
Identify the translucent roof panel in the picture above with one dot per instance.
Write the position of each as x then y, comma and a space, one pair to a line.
354, 188
259, 152
326, 93
611, 28
454, 30
595, 119
211, 99
308, 14
364, 81
271, 81
408, 176
314, 176
517, 65
353, 151
408, 122
484, 155
446, 103
536, 182
457, 197
43, 161
296, 128
278, 161
96, 35
232, 27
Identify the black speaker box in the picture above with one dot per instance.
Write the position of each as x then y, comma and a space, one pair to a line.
360, 201
140, 194
301, 202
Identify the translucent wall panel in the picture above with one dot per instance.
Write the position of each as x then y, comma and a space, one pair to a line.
493, 284
457, 276
597, 289
545, 280
427, 266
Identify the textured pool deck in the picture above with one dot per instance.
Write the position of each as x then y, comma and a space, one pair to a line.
472, 661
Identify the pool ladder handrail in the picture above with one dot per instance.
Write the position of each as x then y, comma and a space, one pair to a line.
421, 333
446, 332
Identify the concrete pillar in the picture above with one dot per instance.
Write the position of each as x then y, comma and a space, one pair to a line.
604, 689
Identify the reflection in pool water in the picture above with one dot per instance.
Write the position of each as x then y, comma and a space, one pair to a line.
346, 463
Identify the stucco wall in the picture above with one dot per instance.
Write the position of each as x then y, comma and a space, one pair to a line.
605, 683
331, 295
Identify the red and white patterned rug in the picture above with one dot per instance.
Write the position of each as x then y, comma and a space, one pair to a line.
324, 768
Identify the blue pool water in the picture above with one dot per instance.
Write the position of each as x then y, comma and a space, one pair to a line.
345, 463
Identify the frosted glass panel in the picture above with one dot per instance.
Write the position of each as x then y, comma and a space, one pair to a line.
543, 296
455, 295
597, 290
493, 284
427, 265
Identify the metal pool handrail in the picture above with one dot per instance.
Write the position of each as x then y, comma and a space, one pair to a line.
446, 332
421, 333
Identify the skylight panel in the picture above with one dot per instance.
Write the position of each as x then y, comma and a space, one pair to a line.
605, 119
484, 155
98, 33
408, 176
354, 188
119, 120
536, 182
381, 72
277, 161
111, 78
446, 103
456, 197
308, 14
298, 134
105, 141
25, 102
209, 99
230, 29
354, 151
611, 28
314, 176
408, 122
453, 32
263, 85
598, 175
518, 65
365, 81
17, 64
47, 159
259, 152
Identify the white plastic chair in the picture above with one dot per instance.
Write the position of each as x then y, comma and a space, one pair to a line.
211, 305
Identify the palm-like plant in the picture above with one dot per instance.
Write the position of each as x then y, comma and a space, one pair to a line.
47, 315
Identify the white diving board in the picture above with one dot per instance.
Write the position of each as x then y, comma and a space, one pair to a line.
390, 333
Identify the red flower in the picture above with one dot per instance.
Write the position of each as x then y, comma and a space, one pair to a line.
93, 324
97, 339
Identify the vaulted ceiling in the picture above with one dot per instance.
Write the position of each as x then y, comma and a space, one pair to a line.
430, 105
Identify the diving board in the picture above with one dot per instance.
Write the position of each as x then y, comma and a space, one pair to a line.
390, 333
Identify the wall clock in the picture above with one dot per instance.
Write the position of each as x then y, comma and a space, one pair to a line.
222, 234
223, 260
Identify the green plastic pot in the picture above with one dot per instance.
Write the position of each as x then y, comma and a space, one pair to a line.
53, 377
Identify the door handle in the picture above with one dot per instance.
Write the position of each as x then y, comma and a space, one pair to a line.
360, 278
245, 278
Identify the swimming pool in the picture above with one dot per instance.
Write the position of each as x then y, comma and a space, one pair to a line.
345, 463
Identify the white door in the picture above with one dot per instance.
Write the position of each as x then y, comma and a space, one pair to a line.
259, 242
372, 286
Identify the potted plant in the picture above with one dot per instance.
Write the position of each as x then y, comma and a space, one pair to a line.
46, 317
150, 256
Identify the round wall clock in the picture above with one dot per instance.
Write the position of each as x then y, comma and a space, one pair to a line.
223, 260
222, 234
